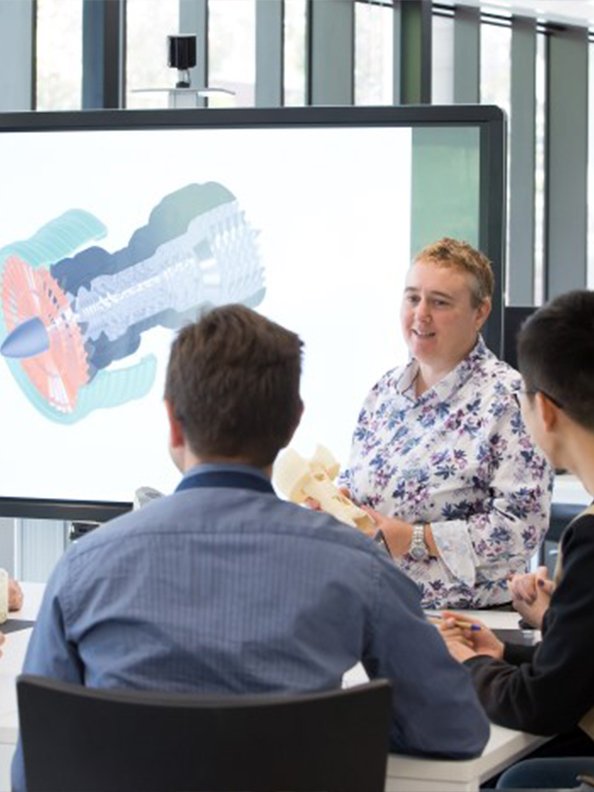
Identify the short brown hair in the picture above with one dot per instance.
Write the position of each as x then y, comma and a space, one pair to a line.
556, 354
233, 383
449, 252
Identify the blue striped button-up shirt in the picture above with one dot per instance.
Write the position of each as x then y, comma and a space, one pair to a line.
232, 590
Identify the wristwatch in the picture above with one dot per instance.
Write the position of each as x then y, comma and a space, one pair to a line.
418, 548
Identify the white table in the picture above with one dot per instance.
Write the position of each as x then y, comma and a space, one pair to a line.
404, 774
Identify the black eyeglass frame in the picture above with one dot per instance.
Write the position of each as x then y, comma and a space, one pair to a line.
533, 392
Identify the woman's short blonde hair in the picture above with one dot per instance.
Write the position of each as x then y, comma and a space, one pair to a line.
449, 252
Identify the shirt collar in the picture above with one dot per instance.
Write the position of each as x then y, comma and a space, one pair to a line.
446, 387
224, 467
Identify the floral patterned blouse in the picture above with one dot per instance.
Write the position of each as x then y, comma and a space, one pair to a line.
459, 458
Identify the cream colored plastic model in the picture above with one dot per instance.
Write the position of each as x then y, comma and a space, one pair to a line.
300, 479
3, 596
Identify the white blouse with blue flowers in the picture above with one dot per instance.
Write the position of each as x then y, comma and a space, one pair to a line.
459, 458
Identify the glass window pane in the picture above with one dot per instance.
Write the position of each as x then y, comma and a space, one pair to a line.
539, 199
442, 62
590, 271
148, 25
232, 50
294, 79
59, 54
374, 73
495, 65
495, 84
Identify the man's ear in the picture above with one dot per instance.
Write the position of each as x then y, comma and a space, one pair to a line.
176, 435
548, 412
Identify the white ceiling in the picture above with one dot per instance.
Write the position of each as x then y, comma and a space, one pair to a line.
563, 11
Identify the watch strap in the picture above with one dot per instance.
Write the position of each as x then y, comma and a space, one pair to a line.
418, 546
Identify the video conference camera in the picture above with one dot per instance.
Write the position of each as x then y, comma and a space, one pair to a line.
181, 55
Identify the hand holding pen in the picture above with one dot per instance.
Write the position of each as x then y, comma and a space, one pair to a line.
466, 638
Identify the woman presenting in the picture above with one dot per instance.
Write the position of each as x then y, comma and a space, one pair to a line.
440, 456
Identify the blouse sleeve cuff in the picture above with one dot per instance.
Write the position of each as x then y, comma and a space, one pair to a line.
455, 549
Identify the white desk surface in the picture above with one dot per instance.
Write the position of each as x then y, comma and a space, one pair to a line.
404, 773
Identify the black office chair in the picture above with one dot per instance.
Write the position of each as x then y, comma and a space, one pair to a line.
77, 738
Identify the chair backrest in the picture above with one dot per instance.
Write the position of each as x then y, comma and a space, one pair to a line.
77, 738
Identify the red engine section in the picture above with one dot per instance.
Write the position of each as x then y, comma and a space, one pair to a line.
59, 373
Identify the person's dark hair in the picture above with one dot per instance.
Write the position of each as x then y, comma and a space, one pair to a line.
556, 354
233, 383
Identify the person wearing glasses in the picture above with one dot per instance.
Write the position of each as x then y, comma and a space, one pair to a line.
549, 689
440, 456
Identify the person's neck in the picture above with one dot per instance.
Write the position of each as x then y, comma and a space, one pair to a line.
430, 374
191, 460
578, 455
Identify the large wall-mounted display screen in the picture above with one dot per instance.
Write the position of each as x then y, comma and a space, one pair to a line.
116, 228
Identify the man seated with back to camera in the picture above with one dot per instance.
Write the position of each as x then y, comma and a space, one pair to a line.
223, 587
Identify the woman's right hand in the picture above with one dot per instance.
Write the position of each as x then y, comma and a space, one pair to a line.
531, 595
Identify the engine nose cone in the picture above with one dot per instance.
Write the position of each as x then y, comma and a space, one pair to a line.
28, 339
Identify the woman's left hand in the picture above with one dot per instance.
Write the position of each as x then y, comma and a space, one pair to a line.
397, 533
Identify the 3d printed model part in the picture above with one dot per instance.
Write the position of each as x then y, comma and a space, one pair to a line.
68, 319
300, 479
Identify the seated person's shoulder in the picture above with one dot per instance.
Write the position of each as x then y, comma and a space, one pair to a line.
113, 530
580, 529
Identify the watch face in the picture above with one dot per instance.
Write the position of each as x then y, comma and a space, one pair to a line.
418, 553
